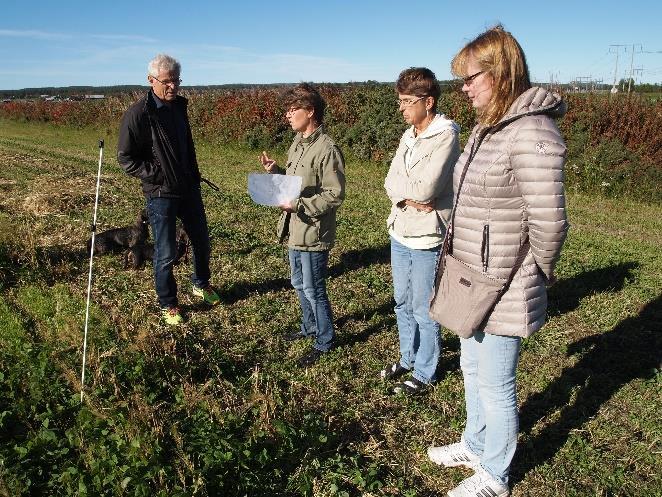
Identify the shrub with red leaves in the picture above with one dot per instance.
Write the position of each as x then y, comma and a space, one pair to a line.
614, 143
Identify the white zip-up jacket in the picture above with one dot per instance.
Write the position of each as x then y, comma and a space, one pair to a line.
422, 170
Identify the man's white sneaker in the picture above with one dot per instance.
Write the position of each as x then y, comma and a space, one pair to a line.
481, 484
456, 454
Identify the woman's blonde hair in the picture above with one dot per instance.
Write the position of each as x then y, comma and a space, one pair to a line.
498, 54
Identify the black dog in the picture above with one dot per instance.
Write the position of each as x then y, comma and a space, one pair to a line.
135, 257
118, 239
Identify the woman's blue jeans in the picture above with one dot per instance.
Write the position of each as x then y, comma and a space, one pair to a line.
163, 213
413, 279
309, 280
489, 365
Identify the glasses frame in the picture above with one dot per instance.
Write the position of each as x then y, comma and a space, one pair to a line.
470, 79
176, 83
409, 103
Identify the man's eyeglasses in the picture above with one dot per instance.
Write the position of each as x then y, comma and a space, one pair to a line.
469, 79
169, 82
408, 102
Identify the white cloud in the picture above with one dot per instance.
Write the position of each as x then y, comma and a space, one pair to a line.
208, 64
36, 35
131, 38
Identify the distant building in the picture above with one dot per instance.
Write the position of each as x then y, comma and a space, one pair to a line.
94, 97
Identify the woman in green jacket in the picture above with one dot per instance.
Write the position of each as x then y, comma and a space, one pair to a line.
309, 222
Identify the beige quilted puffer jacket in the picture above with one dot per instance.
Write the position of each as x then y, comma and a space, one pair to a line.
513, 185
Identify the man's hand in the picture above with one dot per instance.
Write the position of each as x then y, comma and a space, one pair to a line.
268, 163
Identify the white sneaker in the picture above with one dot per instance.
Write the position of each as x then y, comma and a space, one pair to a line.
456, 454
481, 484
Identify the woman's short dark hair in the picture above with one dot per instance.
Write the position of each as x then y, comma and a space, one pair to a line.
306, 96
419, 81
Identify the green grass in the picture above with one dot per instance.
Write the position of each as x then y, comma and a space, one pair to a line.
219, 407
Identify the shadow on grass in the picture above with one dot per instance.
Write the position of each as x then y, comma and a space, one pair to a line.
352, 260
566, 294
385, 319
608, 362
50, 264
242, 290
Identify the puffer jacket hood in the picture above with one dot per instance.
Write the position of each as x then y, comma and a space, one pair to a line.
514, 187
536, 100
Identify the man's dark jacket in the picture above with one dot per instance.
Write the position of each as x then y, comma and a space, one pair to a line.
145, 151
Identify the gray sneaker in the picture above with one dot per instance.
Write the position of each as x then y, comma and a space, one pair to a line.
481, 484
456, 454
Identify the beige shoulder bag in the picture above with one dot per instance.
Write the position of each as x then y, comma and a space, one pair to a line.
463, 297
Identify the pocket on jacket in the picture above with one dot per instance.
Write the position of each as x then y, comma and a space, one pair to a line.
485, 247
412, 222
157, 177
327, 228
302, 233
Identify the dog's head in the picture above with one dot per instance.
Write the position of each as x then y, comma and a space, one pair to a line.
142, 223
143, 218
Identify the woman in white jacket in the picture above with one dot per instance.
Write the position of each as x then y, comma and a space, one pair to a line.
419, 184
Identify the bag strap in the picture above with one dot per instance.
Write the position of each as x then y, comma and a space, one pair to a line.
448, 239
447, 245
519, 260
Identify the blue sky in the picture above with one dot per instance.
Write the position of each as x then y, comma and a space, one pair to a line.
67, 43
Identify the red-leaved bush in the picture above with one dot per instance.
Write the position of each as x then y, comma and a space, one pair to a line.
614, 143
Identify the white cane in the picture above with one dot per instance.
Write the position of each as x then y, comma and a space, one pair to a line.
89, 278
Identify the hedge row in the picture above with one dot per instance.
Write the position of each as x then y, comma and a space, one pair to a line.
614, 144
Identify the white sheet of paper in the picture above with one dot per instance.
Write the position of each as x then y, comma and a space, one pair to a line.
273, 189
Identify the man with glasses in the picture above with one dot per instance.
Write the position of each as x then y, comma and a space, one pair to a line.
155, 144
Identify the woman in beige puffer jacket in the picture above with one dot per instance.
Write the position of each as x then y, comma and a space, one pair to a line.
513, 187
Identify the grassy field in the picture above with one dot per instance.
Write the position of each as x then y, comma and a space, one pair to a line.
219, 407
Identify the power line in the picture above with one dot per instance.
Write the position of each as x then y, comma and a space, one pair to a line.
617, 51
632, 65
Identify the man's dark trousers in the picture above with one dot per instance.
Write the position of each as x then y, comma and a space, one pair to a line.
163, 213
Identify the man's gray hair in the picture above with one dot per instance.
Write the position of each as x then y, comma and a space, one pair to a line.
165, 63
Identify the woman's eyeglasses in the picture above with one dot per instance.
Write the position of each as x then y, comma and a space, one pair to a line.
408, 102
469, 79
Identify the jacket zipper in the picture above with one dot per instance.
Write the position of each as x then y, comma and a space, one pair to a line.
485, 247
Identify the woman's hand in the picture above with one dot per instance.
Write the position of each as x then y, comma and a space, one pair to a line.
427, 207
288, 207
268, 163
